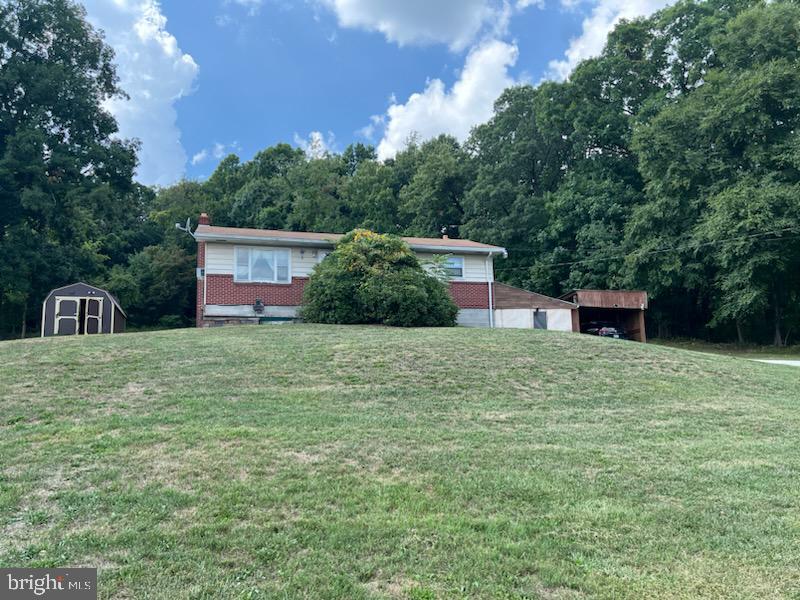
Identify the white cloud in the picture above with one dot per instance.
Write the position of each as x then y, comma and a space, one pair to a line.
199, 157
453, 22
251, 6
595, 29
375, 122
436, 110
316, 145
224, 20
155, 73
218, 150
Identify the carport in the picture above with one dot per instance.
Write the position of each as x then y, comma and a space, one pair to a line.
624, 308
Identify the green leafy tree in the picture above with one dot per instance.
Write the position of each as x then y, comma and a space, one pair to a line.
376, 278
711, 148
372, 195
262, 203
317, 203
66, 189
519, 156
156, 287
432, 201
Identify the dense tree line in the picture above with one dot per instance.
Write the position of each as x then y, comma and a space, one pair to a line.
669, 163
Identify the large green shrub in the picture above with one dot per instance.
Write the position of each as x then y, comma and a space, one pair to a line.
376, 278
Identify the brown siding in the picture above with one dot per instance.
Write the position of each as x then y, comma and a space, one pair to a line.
608, 298
507, 296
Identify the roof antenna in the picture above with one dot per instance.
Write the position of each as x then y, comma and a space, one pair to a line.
187, 228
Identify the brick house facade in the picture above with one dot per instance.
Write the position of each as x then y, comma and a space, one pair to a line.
225, 295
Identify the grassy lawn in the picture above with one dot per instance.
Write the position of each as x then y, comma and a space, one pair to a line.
358, 462
746, 351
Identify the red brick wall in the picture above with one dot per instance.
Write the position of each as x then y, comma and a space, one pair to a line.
223, 290
467, 294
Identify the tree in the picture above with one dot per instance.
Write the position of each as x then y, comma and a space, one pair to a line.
317, 204
705, 157
371, 194
518, 157
376, 278
65, 183
156, 287
752, 228
432, 200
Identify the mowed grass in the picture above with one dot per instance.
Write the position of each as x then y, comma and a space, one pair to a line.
366, 462
756, 352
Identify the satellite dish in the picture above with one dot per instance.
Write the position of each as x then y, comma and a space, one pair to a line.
187, 228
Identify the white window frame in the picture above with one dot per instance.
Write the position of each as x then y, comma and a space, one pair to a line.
458, 259
249, 249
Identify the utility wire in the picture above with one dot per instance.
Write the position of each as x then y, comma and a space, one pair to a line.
692, 245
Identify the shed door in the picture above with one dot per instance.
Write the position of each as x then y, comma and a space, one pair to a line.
67, 316
93, 319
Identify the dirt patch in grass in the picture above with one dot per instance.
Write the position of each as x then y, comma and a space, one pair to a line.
35, 515
393, 587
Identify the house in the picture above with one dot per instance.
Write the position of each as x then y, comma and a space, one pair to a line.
258, 275
81, 309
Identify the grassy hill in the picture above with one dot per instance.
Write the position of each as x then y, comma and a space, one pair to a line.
358, 462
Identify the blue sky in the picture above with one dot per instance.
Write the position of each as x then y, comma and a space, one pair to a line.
218, 76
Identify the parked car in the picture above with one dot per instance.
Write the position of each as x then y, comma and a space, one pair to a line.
605, 329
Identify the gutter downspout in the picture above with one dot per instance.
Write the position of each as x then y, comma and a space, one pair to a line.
489, 281
205, 282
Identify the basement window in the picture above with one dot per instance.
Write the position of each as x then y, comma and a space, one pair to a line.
454, 266
261, 266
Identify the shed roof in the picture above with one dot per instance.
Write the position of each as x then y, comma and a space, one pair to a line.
212, 233
111, 296
507, 296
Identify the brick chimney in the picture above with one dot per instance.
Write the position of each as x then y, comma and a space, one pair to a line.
204, 219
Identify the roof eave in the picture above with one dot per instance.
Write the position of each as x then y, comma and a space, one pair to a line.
459, 249
202, 236
260, 239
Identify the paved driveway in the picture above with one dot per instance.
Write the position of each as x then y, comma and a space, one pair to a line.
790, 363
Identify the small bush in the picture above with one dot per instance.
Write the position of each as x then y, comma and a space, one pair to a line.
376, 278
